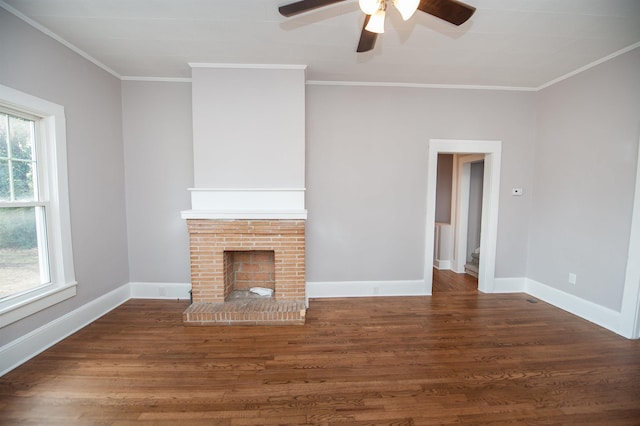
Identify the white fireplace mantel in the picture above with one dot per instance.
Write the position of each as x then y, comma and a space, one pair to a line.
246, 203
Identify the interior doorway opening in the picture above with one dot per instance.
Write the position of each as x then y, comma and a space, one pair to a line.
490, 153
460, 181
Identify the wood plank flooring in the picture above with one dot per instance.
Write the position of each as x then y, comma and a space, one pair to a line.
456, 357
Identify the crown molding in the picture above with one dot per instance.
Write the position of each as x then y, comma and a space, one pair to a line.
589, 66
417, 85
157, 79
249, 66
57, 38
104, 67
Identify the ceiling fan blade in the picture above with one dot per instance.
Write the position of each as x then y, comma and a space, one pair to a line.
452, 11
367, 38
302, 6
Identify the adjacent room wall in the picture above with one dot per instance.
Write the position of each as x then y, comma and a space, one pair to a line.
444, 188
157, 134
366, 175
584, 177
38, 65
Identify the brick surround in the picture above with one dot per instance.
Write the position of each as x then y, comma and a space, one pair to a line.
210, 239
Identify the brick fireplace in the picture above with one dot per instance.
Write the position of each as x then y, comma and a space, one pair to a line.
247, 218
230, 256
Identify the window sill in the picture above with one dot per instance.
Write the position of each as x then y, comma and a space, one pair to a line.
17, 308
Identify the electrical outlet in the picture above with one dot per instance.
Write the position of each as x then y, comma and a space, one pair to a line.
572, 278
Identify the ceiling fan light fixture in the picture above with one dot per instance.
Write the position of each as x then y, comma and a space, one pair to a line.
376, 22
452, 11
369, 7
406, 7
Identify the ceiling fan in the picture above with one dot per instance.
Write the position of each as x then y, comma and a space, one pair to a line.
452, 11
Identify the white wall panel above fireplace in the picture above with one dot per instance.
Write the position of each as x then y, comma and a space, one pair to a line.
246, 203
248, 126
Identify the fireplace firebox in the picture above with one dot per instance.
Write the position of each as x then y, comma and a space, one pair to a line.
247, 270
229, 257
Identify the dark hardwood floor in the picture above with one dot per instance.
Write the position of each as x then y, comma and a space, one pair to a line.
456, 357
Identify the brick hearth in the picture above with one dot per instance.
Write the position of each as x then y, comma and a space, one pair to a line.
246, 312
212, 304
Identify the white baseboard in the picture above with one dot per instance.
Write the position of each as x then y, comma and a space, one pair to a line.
160, 290
589, 311
509, 285
26, 347
442, 264
604, 317
366, 288
458, 269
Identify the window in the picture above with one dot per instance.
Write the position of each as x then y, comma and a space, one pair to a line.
24, 258
36, 264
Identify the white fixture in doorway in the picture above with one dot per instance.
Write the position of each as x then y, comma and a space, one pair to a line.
462, 185
492, 151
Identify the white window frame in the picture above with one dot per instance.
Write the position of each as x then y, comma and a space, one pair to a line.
52, 165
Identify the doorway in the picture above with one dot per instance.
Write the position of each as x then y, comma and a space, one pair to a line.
491, 151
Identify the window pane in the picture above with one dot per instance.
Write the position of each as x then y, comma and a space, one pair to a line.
20, 263
5, 190
3, 135
22, 180
21, 138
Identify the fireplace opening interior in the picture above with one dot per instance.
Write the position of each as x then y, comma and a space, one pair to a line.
246, 269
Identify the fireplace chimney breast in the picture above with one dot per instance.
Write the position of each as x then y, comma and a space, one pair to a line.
249, 129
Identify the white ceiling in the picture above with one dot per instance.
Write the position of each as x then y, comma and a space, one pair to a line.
513, 43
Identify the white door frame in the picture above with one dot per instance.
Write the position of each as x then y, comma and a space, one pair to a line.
490, 200
462, 185
630, 312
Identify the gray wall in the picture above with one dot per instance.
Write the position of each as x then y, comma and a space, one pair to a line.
366, 177
38, 65
584, 174
444, 188
157, 135
366, 185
